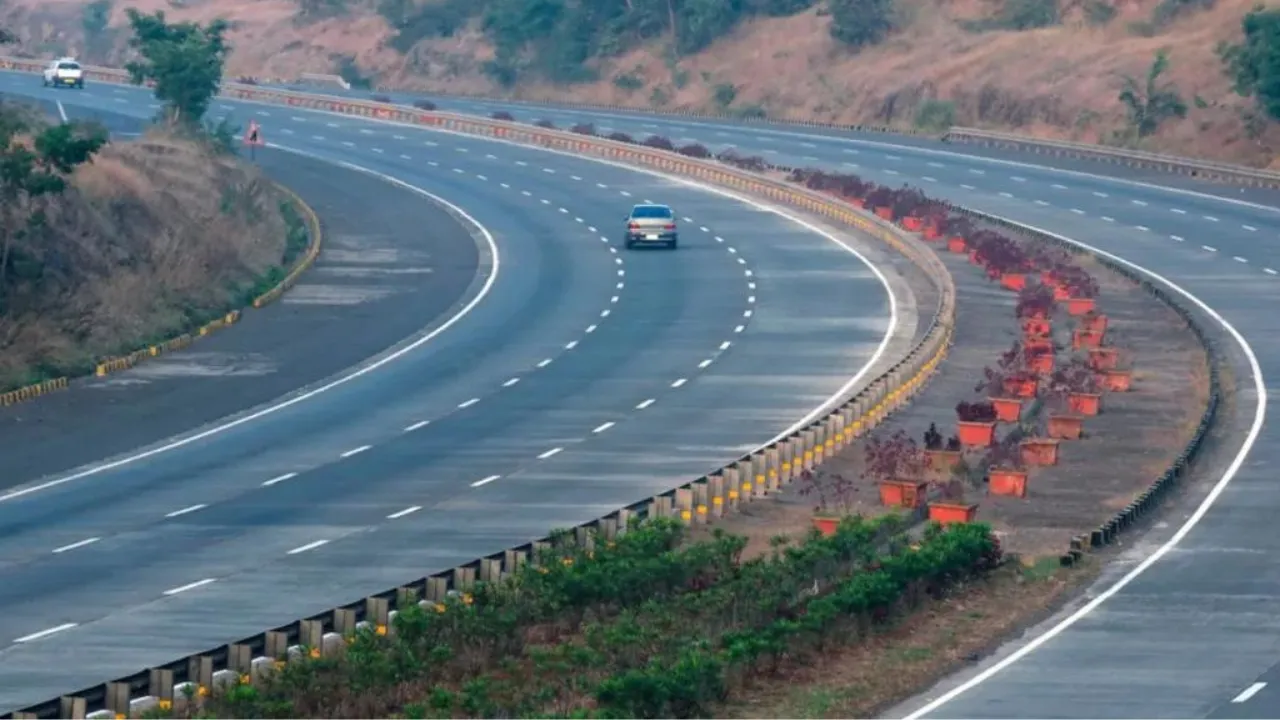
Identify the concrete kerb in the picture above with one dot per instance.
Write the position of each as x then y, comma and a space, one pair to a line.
751, 476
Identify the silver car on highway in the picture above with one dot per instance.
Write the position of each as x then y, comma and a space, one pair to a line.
651, 225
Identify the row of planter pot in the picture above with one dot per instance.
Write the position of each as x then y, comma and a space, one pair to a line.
1038, 388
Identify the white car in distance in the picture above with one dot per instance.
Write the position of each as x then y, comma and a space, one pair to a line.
64, 72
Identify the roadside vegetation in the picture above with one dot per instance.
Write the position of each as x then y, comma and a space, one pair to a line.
112, 246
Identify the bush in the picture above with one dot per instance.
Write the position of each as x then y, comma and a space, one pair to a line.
629, 82
695, 150
621, 137
936, 115
547, 124
583, 129
1254, 65
858, 23
1099, 12
424, 104
659, 142
381, 98
724, 94
502, 115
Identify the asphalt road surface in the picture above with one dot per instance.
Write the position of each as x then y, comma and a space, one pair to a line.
577, 377
1197, 632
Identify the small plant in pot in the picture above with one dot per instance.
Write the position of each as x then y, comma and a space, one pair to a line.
996, 386
1035, 446
1034, 308
896, 464
955, 495
836, 498
881, 199
941, 454
908, 204
1007, 469
1080, 384
1063, 424
976, 423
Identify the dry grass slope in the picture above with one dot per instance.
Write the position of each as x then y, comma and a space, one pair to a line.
151, 238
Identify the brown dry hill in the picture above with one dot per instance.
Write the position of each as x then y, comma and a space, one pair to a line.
1060, 81
151, 238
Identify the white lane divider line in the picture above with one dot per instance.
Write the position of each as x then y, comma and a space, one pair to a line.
1143, 228
935, 164
1237, 258
355, 451
1209, 248
704, 364
967, 187
646, 404
1143, 203
1269, 271
1107, 219
407, 511
45, 633
1099, 194
186, 510
1180, 211
975, 171
1056, 186
1077, 211
279, 479
468, 403
1177, 238
190, 586
551, 453
308, 546
740, 328
76, 545
485, 481
1211, 218
725, 345
418, 425
591, 329
1006, 195
1040, 202
545, 362
1250, 228
926, 178
601, 428
511, 382
1248, 692
679, 382
571, 345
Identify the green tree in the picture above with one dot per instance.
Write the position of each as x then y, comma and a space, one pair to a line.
94, 19
1254, 65
35, 161
1151, 103
184, 60
858, 23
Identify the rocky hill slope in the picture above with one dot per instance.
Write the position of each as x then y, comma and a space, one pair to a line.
1047, 67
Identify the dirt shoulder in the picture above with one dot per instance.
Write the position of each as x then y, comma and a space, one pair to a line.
1137, 435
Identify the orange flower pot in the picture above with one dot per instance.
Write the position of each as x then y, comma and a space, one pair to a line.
1047, 277
902, 493
1084, 339
1103, 358
1065, 427
973, 258
1084, 403
1036, 327
1010, 483
856, 202
940, 461
1080, 306
1042, 363
913, 224
1013, 281
1039, 451
1096, 323
948, 513
1008, 410
1017, 388
1060, 293
931, 232
976, 434
826, 525
1037, 344
884, 212
956, 244
1117, 380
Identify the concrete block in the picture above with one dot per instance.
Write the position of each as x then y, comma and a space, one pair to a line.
100, 715
144, 704
344, 621
464, 578
607, 527
260, 668
808, 441
490, 570
624, 520
223, 679
332, 644
406, 596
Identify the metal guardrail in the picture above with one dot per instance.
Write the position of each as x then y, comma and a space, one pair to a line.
752, 476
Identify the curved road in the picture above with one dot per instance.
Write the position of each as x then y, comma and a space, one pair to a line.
541, 406
1193, 632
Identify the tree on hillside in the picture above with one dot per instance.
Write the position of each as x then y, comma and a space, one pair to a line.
1254, 65
94, 19
184, 60
858, 23
35, 161
1152, 102
7, 37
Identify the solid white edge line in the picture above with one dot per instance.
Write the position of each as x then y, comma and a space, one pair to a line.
279, 478
75, 545
1259, 419
189, 586
550, 453
62, 112
361, 372
407, 511
486, 481
355, 451
45, 633
185, 510
1248, 692
603, 427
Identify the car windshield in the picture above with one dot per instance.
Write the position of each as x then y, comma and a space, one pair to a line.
68, 66
651, 211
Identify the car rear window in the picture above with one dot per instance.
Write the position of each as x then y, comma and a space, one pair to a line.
68, 66
651, 211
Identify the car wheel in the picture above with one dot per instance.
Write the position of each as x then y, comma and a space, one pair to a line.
672, 244
629, 245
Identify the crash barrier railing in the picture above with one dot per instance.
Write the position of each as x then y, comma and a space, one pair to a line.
750, 477
323, 79
1168, 481
1202, 169
124, 362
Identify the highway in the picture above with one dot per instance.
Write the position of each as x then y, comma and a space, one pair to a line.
575, 378
1192, 633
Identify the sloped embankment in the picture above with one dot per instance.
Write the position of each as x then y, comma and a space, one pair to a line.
150, 239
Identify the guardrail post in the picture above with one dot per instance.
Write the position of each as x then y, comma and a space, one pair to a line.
376, 610
513, 560
277, 645
117, 698
464, 578
71, 707
771, 464
787, 450
806, 449
715, 487
759, 478
582, 537
160, 683
733, 487
624, 522
239, 657
310, 634
684, 504
200, 671
607, 527
700, 501
830, 426
344, 621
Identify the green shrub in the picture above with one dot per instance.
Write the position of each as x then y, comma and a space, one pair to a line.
724, 94
935, 115
1254, 65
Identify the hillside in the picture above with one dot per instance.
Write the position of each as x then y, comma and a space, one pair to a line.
149, 239
1061, 80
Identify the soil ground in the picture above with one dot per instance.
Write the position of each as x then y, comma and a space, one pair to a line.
1136, 437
